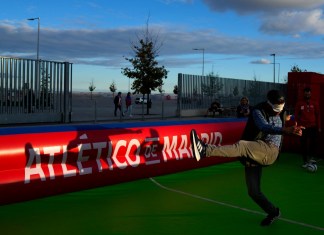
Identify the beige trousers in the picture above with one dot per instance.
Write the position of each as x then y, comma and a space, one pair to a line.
259, 151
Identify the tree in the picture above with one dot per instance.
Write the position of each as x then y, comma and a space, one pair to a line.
254, 89
113, 88
175, 89
146, 72
295, 68
235, 91
213, 87
160, 88
45, 87
45, 79
92, 87
245, 91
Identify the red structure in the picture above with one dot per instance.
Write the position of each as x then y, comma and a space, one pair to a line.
40, 161
297, 81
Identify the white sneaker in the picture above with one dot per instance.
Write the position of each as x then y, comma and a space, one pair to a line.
197, 145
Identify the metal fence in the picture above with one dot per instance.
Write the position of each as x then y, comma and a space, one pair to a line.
198, 92
33, 91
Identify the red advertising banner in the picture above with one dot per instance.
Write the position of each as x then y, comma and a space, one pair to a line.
46, 160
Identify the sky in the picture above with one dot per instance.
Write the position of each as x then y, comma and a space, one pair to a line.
236, 38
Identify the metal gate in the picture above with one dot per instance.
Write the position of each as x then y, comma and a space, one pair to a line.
198, 92
34, 91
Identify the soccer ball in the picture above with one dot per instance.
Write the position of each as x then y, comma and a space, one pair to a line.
311, 167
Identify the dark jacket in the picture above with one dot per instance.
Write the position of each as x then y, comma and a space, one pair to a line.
117, 100
251, 131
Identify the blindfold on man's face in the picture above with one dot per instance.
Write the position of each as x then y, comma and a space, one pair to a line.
277, 107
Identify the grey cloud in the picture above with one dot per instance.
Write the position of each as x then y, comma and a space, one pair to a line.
253, 6
261, 61
63, 44
288, 17
295, 22
108, 47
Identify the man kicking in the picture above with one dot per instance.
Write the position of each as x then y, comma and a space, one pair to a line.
258, 147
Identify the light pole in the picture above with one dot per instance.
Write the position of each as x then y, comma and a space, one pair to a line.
274, 67
37, 60
203, 51
278, 71
38, 19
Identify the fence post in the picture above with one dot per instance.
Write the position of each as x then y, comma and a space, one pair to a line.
66, 100
179, 101
95, 111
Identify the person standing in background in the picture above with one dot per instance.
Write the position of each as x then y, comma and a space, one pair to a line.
307, 114
118, 103
128, 101
243, 109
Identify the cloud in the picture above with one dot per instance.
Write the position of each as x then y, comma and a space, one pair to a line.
261, 61
253, 6
288, 17
107, 47
295, 22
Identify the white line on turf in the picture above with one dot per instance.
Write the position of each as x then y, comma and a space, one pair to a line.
232, 206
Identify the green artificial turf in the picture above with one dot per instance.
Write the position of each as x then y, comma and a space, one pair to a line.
211, 200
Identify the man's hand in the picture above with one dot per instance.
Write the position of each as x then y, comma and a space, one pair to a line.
293, 130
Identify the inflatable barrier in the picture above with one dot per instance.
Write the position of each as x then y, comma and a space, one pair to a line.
39, 161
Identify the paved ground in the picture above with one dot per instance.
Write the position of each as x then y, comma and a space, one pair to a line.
101, 108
